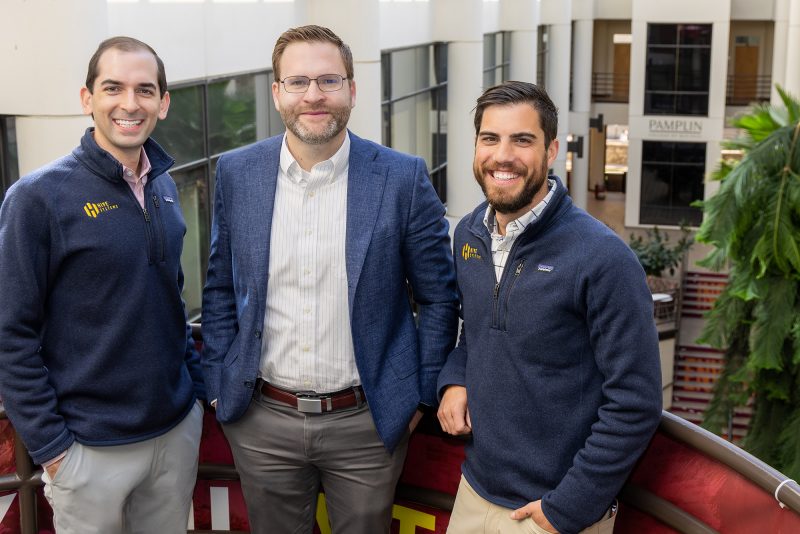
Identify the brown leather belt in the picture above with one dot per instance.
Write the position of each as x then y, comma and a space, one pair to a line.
312, 402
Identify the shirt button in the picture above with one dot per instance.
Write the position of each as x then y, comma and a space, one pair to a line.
311, 194
306, 348
306, 310
129, 173
306, 271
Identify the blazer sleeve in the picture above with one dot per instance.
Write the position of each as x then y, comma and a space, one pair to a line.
219, 300
429, 266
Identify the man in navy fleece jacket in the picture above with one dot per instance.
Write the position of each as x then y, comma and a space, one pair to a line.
98, 372
556, 373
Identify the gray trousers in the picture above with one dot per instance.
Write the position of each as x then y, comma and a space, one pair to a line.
143, 487
283, 456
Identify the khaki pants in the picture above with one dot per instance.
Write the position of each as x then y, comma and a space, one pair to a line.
472, 514
138, 488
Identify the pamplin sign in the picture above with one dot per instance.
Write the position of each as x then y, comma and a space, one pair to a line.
680, 127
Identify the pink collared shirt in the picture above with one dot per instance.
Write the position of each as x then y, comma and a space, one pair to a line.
137, 181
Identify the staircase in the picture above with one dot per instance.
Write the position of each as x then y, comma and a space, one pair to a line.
697, 367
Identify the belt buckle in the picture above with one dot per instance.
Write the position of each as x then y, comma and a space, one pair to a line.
309, 402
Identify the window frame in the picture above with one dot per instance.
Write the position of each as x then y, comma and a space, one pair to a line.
678, 48
647, 211
438, 95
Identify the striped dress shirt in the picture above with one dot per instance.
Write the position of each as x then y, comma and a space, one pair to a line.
501, 244
307, 343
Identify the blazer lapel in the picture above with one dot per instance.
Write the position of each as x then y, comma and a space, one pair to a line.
261, 185
365, 184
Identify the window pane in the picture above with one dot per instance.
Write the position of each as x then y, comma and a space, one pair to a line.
9, 167
662, 33
660, 74
659, 103
694, 69
440, 62
231, 113
410, 70
413, 126
440, 131
489, 47
657, 152
692, 105
541, 57
695, 34
193, 194
181, 133
672, 178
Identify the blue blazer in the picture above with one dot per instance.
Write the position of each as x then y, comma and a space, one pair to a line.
396, 235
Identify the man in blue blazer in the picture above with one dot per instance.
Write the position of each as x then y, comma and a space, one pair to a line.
313, 358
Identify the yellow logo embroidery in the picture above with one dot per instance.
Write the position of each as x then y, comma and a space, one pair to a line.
93, 210
468, 252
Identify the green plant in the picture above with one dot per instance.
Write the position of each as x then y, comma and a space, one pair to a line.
655, 252
753, 223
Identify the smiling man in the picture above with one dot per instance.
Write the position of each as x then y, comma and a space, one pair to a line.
313, 357
556, 374
98, 371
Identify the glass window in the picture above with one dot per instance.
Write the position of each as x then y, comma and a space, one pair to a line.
414, 107
496, 62
541, 56
672, 178
231, 113
9, 168
194, 199
678, 69
182, 132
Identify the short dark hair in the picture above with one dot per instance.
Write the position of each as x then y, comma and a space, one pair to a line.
126, 44
314, 34
513, 92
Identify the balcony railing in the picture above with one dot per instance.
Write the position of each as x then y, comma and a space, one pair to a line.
744, 89
610, 87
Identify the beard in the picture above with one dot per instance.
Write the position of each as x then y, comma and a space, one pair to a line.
508, 202
336, 123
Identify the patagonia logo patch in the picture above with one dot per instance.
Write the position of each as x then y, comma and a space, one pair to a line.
470, 253
168, 199
544, 268
93, 209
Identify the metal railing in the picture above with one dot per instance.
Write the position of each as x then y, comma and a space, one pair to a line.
610, 87
26, 480
745, 89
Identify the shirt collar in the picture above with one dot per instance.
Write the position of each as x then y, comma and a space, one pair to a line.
144, 164
522, 222
338, 163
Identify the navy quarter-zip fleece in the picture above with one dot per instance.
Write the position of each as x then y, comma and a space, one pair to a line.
560, 361
94, 344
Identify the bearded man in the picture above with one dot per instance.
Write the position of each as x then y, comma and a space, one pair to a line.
556, 373
313, 358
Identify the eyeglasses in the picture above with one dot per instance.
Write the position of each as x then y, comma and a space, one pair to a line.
327, 83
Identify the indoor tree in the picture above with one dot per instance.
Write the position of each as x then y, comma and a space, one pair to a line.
753, 223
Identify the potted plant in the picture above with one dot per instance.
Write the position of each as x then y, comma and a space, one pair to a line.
657, 255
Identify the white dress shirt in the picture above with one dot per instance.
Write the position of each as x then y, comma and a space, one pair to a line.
307, 343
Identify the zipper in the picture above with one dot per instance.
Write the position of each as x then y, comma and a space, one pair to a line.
495, 302
517, 272
160, 218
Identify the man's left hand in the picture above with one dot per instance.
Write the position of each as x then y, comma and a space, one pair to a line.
534, 511
414, 421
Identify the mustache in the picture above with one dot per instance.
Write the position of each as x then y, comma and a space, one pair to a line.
492, 167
